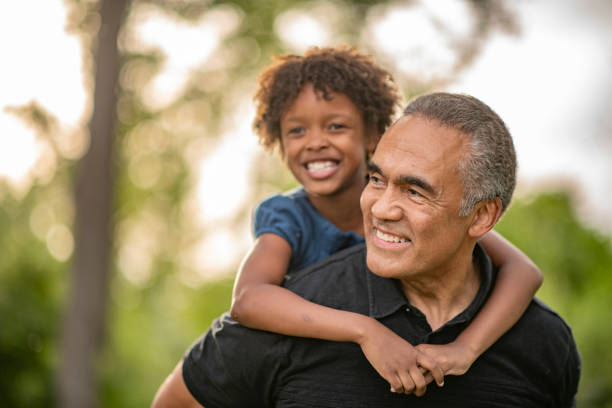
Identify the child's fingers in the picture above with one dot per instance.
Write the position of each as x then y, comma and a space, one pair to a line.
430, 365
407, 385
427, 374
396, 384
420, 385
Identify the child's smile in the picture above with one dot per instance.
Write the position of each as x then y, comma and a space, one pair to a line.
321, 169
323, 142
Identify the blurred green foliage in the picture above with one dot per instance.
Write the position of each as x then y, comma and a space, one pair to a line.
32, 284
151, 330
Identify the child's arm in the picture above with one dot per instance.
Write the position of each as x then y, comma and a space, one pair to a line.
517, 282
259, 302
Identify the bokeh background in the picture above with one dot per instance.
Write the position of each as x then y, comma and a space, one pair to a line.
128, 168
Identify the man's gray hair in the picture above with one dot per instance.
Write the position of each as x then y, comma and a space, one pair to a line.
488, 170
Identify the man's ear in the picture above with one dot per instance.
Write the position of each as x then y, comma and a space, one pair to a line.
484, 216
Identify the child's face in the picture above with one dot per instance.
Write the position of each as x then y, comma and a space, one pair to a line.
323, 142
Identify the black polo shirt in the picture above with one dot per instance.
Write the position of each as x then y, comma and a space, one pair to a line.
535, 364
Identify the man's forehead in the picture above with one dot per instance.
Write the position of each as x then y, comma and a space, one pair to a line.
413, 135
420, 152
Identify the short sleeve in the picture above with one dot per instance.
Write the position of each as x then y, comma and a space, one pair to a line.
310, 235
280, 215
232, 366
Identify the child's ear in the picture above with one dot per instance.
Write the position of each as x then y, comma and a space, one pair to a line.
484, 216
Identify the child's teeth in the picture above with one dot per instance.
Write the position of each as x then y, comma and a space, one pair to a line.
313, 166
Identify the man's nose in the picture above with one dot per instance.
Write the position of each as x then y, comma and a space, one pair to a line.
386, 206
317, 140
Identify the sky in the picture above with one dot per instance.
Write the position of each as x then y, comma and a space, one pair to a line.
552, 85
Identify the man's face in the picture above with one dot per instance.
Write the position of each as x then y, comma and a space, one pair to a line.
411, 202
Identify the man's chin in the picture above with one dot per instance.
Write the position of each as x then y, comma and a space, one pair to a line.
383, 267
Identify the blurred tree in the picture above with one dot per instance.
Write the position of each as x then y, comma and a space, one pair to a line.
83, 331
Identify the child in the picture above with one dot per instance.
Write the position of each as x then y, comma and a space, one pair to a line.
326, 111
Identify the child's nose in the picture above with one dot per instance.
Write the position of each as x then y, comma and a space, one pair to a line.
317, 140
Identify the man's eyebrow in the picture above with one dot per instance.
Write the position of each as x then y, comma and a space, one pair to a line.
403, 180
373, 167
415, 181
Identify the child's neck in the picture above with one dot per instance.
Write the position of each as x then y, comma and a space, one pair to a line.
342, 209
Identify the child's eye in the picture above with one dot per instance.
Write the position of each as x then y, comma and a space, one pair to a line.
337, 126
298, 130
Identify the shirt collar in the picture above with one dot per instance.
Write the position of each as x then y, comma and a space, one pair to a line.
386, 296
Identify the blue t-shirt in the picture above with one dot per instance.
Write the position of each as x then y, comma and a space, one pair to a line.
311, 236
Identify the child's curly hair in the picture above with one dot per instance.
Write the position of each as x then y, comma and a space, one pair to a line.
331, 69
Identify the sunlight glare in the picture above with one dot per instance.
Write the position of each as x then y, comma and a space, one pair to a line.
420, 37
299, 30
216, 255
45, 60
60, 242
185, 45
224, 181
139, 240
42, 219
18, 149
40, 62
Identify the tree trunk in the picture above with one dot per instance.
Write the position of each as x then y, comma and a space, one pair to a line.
83, 330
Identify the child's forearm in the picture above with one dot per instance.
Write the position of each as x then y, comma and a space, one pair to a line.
260, 302
496, 317
517, 282
276, 309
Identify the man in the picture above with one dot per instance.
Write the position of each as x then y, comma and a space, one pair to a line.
440, 179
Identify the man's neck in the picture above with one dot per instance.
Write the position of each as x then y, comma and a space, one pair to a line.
443, 294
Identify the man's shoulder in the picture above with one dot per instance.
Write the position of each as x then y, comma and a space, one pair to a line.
233, 366
546, 337
536, 360
545, 318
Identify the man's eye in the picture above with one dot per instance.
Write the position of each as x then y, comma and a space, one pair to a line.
374, 180
415, 193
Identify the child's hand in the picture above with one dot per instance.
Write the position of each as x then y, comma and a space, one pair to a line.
453, 358
398, 362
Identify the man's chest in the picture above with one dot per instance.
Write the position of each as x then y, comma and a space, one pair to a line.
335, 375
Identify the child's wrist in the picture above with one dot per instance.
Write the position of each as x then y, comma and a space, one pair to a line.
467, 349
364, 326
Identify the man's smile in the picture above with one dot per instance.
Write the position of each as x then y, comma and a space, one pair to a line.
387, 239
